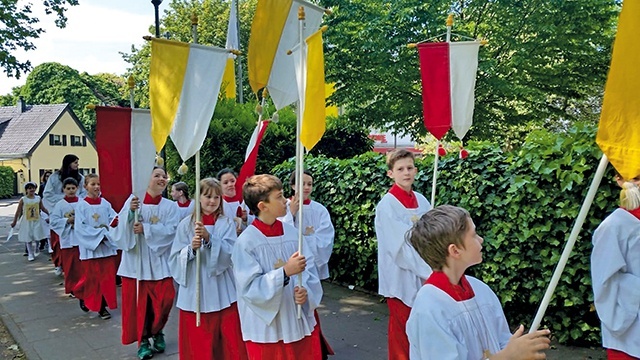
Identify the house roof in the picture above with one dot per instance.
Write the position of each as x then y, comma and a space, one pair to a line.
21, 132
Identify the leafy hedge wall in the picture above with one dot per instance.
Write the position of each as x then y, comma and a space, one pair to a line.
7, 178
524, 204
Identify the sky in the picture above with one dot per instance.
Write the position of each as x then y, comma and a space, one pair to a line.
96, 31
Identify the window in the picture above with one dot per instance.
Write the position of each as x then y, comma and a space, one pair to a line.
55, 140
76, 140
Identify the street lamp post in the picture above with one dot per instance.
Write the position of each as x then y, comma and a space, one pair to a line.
156, 5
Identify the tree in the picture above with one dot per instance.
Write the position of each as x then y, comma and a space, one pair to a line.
53, 83
19, 27
545, 63
213, 18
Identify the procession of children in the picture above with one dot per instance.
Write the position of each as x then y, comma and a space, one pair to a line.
258, 294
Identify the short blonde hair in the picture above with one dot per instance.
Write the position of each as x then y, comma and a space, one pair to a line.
436, 230
397, 154
630, 196
257, 188
89, 177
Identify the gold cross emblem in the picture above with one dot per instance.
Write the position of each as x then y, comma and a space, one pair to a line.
309, 230
69, 214
154, 219
96, 216
414, 219
278, 264
486, 354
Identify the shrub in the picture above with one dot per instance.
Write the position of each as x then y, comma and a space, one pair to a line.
7, 179
524, 204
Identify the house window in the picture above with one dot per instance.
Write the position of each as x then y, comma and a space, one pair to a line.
55, 140
77, 140
86, 171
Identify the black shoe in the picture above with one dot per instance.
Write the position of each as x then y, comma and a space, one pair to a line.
104, 314
83, 307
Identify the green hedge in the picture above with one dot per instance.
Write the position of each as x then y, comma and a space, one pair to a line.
7, 178
524, 204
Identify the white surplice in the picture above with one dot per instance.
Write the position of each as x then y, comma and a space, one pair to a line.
230, 209
92, 229
53, 191
58, 222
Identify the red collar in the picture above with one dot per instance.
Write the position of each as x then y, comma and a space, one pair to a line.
275, 229
182, 205
71, 199
148, 199
635, 212
457, 292
93, 201
408, 199
209, 219
232, 199
304, 202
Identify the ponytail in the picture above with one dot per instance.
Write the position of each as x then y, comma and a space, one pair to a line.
630, 196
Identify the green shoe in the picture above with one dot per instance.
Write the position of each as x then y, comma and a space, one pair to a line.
144, 351
158, 342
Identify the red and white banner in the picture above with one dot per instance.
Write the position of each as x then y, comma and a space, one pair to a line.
448, 72
250, 157
126, 152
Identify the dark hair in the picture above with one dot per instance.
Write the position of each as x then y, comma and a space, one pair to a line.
257, 188
292, 178
182, 186
66, 171
30, 184
226, 171
46, 173
68, 181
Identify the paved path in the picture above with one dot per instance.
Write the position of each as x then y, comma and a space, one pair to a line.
49, 325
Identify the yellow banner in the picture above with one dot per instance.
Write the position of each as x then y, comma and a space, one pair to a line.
229, 80
619, 129
166, 75
313, 119
266, 29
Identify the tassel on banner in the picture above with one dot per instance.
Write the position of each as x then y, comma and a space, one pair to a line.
275, 118
441, 150
183, 169
463, 153
159, 160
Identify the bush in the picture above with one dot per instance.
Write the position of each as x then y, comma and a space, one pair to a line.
7, 179
524, 204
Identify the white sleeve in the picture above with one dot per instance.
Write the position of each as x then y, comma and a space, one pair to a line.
57, 221
262, 292
324, 235
616, 292
391, 231
160, 235
221, 245
122, 235
429, 339
53, 191
181, 252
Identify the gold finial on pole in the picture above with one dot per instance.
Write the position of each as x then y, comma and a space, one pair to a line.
265, 93
412, 46
90, 106
194, 19
450, 20
328, 12
324, 28
235, 52
131, 82
301, 14
483, 41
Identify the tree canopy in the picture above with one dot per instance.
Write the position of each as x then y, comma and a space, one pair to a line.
19, 27
545, 62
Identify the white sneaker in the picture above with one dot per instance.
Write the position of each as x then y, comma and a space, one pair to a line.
58, 271
31, 258
49, 249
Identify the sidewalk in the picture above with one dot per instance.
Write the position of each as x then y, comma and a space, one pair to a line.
49, 325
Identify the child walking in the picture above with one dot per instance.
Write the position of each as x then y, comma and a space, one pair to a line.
233, 204
62, 223
147, 286
318, 234
401, 271
219, 335
180, 194
615, 272
455, 316
94, 216
268, 287
28, 212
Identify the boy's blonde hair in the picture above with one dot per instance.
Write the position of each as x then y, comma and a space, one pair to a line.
397, 154
89, 177
630, 196
257, 188
436, 230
